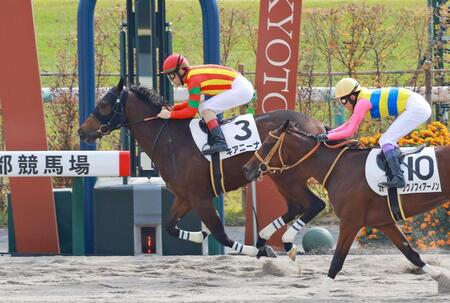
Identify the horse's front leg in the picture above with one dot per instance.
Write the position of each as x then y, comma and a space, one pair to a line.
305, 206
208, 215
179, 209
347, 233
398, 238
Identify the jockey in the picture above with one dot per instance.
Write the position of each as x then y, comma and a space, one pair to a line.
411, 108
227, 87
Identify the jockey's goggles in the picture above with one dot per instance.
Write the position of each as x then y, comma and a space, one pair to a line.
171, 76
343, 100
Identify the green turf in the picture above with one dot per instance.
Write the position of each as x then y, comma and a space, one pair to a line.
56, 22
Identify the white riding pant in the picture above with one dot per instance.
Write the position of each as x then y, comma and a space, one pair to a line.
417, 111
241, 92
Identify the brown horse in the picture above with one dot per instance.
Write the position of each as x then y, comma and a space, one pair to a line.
353, 201
186, 172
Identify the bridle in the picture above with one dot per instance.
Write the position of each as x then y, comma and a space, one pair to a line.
117, 118
264, 166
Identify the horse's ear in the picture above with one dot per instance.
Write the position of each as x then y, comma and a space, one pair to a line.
284, 127
120, 84
291, 127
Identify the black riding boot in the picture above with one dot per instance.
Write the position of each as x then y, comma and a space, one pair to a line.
397, 180
219, 143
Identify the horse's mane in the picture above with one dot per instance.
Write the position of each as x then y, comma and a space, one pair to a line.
148, 95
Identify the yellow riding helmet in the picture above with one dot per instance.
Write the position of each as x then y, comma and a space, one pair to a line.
346, 86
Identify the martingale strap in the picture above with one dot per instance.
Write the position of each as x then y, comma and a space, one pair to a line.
395, 205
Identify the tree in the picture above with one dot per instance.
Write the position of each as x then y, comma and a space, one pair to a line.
350, 37
323, 23
382, 39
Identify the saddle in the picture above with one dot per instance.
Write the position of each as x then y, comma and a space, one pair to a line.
381, 159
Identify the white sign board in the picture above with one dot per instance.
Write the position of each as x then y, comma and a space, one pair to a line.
64, 163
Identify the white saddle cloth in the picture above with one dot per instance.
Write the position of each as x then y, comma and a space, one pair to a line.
240, 133
420, 171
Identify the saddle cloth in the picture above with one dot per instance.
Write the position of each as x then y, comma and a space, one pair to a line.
240, 133
420, 171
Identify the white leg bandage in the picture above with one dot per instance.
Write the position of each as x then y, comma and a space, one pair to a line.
245, 249
194, 236
431, 271
324, 290
268, 231
292, 231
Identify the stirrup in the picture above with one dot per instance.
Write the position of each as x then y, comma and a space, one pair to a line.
213, 149
390, 184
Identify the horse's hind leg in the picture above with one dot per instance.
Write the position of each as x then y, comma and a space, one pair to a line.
179, 209
398, 238
208, 215
347, 233
305, 207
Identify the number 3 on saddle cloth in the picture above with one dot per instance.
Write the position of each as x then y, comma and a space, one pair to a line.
241, 135
420, 170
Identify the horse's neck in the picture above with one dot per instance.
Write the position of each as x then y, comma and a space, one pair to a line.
149, 135
323, 160
163, 142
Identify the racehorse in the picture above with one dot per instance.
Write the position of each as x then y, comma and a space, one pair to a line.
170, 145
342, 172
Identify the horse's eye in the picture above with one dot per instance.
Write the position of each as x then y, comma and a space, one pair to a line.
102, 104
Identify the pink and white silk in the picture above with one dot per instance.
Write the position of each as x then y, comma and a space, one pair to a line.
349, 128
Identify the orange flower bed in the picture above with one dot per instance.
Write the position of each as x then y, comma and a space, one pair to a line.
427, 231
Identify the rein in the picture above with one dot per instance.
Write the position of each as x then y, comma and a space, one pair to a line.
140, 121
264, 166
118, 110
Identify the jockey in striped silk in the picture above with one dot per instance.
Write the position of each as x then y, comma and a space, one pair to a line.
410, 108
226, 87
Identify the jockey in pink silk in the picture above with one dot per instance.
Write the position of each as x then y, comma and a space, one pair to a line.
410, 108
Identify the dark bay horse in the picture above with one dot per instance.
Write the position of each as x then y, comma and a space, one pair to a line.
170, 145
353, 201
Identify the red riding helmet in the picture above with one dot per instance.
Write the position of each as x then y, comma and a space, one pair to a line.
174, 63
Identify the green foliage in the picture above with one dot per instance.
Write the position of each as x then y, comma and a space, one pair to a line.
234, 212
4, 189
3, 217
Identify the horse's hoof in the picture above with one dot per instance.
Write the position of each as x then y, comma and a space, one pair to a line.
266, 251
292, 253
443, 284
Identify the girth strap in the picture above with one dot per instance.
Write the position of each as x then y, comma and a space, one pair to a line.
395, 205
216, 174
